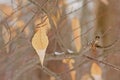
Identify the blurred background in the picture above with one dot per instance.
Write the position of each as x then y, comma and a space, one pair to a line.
72, 27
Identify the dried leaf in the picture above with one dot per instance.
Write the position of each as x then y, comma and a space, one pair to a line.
86, 77
70, 63
56, 17
96, 71
13, 32
76, 33
105, 2
40, 43
20, 24
43, 24
7, 10
6, 37
40, 39
52, 78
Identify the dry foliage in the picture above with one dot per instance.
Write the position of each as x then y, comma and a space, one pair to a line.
59, 40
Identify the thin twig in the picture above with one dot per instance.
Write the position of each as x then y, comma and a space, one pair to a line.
49, 72
103, 62
24, 68
8, 17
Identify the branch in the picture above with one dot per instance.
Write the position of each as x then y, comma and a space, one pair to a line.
103, 62
67, 55
49, 72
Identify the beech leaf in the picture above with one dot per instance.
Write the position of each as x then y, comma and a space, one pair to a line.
76, 29
40, 43
40, 39
96, 71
